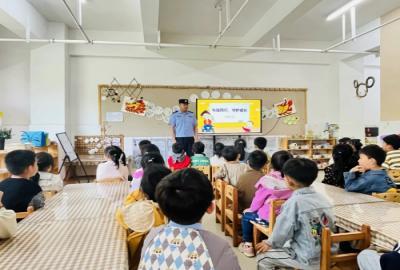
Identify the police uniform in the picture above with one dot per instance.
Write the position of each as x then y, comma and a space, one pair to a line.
184, 124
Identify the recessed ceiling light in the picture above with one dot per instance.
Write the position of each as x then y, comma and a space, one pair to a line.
343, 9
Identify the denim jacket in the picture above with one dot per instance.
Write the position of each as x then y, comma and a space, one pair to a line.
368, 182
299, 226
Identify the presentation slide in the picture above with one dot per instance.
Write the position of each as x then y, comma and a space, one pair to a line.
228, 116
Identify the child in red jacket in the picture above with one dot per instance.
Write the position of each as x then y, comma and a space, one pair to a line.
179, 160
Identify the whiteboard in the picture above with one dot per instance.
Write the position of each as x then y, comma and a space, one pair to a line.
67, 146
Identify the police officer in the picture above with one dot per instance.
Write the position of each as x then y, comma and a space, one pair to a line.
183, 124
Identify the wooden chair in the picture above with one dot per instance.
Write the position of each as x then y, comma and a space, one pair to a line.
109, 181
327, 239
388, 196
220, 202
394, 175
259, 229
205, 169
22, 215
214, 170
232, 217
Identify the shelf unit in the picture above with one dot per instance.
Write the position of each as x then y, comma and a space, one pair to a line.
319, 150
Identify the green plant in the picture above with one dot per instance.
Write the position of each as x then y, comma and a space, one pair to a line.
5, 133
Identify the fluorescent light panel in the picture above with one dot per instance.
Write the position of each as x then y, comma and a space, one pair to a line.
343, 9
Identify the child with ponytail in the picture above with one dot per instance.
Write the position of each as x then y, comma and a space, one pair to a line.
115, 165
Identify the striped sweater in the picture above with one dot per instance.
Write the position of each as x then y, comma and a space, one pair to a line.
392, 160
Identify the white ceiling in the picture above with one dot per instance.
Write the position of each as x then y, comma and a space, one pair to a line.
313, 25
200, 17
106, 15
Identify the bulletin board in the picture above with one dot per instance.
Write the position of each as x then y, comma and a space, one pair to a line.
163, 97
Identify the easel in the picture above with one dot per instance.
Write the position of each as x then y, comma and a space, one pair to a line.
68, 149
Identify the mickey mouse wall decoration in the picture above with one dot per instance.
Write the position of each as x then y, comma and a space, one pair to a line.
362, 88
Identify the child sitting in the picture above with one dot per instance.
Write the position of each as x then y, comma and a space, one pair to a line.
184, 197
8, 222
232, 169
270, 187
47, 180
342, 155
199, 158
142, 150
241, 145
296, 239
391, 145
247, 181
141, 212
179, 160
148, 159
369, 177
218, 160
19, 192
371, 260
115, 165
260, 143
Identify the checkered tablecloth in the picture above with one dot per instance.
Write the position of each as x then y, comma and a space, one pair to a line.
338, 196
76, 230
383, 217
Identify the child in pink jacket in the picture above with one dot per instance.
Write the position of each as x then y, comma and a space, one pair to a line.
268, 188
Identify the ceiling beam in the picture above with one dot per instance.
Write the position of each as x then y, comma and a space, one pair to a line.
150, 17
282, 11
19, 16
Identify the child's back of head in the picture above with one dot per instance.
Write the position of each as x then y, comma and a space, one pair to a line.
260, 143
257, 160
185, 196
198, 148
151, 158
230, 153
279, 159
218, 147
301, 170
150, 148
20, 162
142, 143
44, 161
153, 174
116, 155
177, 148
240, 145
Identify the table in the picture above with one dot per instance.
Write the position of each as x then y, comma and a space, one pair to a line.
338, 196
75, 230
383, 218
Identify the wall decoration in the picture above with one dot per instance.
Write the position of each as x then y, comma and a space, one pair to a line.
136, 106
167, 111
291, 120
362, 88
158, 110
205, 94
285, 108
237, 97
193, 98
227, 95
215, 94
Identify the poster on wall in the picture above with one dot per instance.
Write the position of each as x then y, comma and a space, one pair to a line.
285, 108
135, 106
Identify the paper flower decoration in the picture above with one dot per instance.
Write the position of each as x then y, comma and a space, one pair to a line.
291, 120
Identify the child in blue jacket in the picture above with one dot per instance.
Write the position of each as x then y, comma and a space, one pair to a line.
369, 176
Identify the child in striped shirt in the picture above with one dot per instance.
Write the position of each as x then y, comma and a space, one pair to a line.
391, 145
199, 158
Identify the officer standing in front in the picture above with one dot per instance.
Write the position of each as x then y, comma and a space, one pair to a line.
183, 124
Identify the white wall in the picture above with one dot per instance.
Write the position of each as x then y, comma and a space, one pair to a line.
89, 71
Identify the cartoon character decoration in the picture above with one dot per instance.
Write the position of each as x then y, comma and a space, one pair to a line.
207, 122
248, 126
317, 223
285, 108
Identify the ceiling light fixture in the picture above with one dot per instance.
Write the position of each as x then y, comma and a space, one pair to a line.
343, 9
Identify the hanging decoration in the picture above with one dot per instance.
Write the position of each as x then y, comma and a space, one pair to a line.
215, 94
132, 105
291, 120
285, 108
362, 88
193, 98
227, 95
115, 91
205, 94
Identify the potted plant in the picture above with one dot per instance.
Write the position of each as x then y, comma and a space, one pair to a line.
4, 135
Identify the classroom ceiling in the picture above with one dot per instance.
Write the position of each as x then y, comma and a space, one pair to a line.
305, 19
